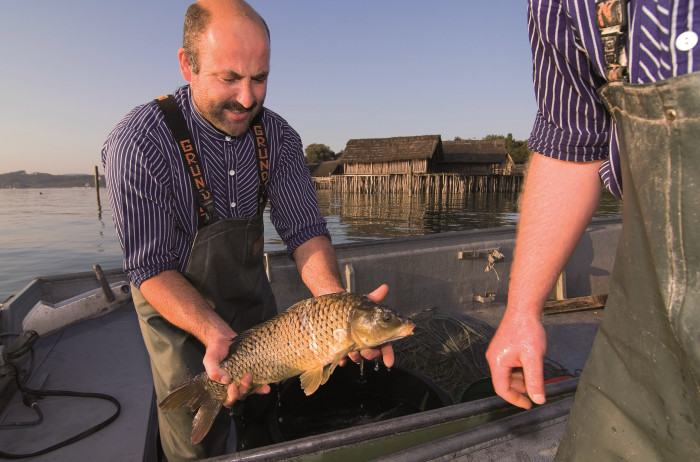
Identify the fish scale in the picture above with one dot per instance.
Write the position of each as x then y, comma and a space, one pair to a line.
309, 338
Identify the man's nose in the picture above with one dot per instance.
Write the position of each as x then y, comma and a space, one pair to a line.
246, 98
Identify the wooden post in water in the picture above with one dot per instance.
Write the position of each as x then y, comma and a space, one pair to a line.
97, 190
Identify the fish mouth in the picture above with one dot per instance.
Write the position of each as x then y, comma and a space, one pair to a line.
406, 330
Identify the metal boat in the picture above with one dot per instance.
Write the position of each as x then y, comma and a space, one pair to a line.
75, 376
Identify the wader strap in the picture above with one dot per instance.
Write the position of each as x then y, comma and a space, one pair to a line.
178, 127
263, 160
611, 19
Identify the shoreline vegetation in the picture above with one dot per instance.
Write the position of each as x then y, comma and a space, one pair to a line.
23, 180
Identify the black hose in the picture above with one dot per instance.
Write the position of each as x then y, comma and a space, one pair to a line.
29, 398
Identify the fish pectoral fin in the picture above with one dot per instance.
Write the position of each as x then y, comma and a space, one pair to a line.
329, 368
312, 379
327, 371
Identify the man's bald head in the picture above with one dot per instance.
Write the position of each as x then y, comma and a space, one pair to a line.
201, 14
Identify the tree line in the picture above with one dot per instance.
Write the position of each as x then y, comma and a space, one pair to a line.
517, 149
22, 179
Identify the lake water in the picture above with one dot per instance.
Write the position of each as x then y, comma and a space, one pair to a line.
53, 231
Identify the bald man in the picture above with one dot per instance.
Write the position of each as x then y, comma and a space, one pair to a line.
189, 176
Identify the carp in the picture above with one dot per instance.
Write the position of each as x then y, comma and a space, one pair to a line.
308, 339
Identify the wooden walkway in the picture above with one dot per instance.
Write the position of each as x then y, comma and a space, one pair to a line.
433, 183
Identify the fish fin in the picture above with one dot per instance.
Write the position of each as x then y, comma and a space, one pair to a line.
329, 368
312, 379
189, 393
202, 422
193, 394
327, 371
252, 389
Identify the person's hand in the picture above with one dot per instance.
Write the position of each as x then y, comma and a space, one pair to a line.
385, 351
217, 352
515, 356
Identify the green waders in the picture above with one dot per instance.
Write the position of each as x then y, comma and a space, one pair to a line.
639, 395
226, 267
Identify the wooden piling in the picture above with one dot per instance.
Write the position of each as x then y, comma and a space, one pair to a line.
97, 188
420, 183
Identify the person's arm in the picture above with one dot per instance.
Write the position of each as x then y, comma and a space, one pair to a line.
318, 267
179, 302
143, 210
558, 202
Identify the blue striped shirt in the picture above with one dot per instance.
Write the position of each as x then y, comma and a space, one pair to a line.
568, 68
152, 198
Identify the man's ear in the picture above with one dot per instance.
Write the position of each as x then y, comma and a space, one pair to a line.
185, 67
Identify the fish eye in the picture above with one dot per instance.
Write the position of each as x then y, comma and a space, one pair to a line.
388, 316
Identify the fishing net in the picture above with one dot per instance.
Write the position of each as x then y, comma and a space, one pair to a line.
449, 347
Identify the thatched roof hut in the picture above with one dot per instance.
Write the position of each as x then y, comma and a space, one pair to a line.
312, 167
475, 157
475, 151
327, 168
397, 155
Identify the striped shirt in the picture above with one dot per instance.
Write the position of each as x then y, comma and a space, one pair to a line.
568, 68
152, 198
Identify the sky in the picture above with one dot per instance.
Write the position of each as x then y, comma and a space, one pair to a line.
71, 70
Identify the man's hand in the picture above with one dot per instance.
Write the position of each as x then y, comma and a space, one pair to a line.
178, 302
515, 356
217, 352
385, 350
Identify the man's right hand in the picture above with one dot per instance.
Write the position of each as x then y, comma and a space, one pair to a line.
177, 301
516, 356
558, 201
216, 352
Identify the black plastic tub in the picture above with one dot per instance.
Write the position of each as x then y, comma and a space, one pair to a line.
351, 397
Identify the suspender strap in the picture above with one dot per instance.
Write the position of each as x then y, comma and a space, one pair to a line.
263, 160
178, 127
611, 19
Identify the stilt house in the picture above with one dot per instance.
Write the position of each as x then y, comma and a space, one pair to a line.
398, 155
475, 157
326, 169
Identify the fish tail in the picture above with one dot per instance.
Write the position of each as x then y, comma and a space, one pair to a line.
194, 394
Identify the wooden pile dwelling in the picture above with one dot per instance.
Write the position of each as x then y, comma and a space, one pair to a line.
476, 157
322, 173
420, 164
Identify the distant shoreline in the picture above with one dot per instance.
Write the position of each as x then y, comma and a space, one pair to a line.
23, 180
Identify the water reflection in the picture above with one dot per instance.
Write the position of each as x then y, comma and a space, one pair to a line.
55, 231
363, 217
373, 216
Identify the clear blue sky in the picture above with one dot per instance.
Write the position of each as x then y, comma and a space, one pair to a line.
70, 70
